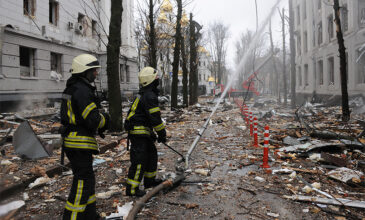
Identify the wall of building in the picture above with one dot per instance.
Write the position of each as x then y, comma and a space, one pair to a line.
307, 23
18, 29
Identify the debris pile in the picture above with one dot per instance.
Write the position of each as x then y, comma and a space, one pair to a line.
317, 166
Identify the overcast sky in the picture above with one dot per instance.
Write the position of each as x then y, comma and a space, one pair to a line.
239, 15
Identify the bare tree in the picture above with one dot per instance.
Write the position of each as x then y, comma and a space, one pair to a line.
195, 35
292, 54
342, 51
277, 89
175, 65
184, 56
218, 35
113, 53
242, 47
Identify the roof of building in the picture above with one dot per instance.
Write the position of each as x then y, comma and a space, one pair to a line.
166, 6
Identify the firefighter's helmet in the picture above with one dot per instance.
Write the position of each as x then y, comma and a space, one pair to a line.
147, 75
84, 62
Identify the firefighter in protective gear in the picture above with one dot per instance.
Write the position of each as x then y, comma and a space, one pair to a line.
144, 117
81, 120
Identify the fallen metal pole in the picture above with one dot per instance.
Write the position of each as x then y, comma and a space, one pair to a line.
201, 132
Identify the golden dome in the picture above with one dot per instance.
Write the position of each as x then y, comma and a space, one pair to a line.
202, 50
211, 79
166, 6
145, 48
162, 18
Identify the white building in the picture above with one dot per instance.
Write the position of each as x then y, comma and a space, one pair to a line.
39, 39
165, 28
317, 56
205, 62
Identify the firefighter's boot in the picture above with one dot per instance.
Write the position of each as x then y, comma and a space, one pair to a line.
130, 191
150, 183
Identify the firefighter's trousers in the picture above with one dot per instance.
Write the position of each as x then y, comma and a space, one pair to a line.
81, 200
143, 156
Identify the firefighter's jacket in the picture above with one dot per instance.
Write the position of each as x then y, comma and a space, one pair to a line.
80, 115
145, 116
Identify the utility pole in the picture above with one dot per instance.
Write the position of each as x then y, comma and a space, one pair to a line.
342, 51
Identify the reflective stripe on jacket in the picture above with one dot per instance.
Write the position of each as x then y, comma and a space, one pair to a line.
80, 115
145, 114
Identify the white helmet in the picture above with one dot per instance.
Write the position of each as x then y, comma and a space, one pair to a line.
147, 76
84, 62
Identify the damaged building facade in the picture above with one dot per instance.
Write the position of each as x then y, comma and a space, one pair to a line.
39, 39
317, 57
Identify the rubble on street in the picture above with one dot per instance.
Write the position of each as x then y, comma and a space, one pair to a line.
317, 165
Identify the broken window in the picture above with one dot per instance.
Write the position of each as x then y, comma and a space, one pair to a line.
80, 24
26, 61
320, 34
29, 7
56, 62
344, 18
330, 27
306, 75
122, 78
127, 74
361, 67
300, 76
305, 42
320, 72
85, 26
298, 15
362, 13
53, 12
331, 71
299, 45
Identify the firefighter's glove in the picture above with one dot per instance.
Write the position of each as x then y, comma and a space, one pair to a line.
161, 136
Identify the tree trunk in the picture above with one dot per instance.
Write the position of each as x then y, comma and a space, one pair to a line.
193, 62
185, 73
152, 37
342, 51
191, 75
274, 64
113, 53
175, 65
292, 55
284, 60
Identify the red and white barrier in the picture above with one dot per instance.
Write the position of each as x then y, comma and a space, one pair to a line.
255, 138
251, 124
265, 159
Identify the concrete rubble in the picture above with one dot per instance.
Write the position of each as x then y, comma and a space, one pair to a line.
309, 178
